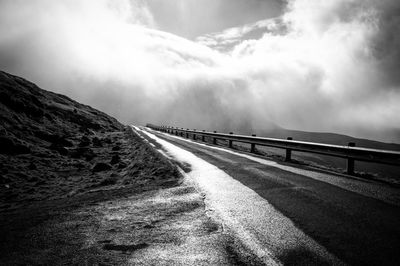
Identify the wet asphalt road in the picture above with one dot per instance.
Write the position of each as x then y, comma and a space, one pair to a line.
358, 229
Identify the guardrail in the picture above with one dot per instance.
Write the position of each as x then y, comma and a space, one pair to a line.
350, 152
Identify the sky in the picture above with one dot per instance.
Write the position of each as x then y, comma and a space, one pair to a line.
226, 65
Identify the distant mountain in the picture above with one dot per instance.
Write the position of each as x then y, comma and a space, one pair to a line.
329, 138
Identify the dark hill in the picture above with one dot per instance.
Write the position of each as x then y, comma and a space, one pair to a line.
31, 117
52, 147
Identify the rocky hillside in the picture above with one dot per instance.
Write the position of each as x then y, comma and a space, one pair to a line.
52, 147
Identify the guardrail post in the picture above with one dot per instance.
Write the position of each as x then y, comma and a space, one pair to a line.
187, 134
253, 146
230, 141
203, 138
350, 161
288, 157
194, 135
215, 139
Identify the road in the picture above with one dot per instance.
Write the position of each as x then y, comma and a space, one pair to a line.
303, 216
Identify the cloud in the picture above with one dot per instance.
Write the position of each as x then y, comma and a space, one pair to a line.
191, 18
331, 67
229, 38
321, 66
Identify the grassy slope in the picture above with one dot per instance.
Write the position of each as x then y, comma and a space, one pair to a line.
54, 147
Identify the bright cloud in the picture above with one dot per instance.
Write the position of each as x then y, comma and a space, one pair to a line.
322, 66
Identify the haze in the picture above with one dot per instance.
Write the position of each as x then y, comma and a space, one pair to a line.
330, 66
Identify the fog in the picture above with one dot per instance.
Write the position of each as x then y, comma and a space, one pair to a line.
329, 66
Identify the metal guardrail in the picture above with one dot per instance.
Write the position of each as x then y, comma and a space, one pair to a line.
350, 152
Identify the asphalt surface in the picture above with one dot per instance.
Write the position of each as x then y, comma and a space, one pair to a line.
358, 227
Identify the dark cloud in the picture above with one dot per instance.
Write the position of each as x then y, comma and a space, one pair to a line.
386, 44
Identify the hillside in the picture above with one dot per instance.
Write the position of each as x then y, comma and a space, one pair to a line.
53, 147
